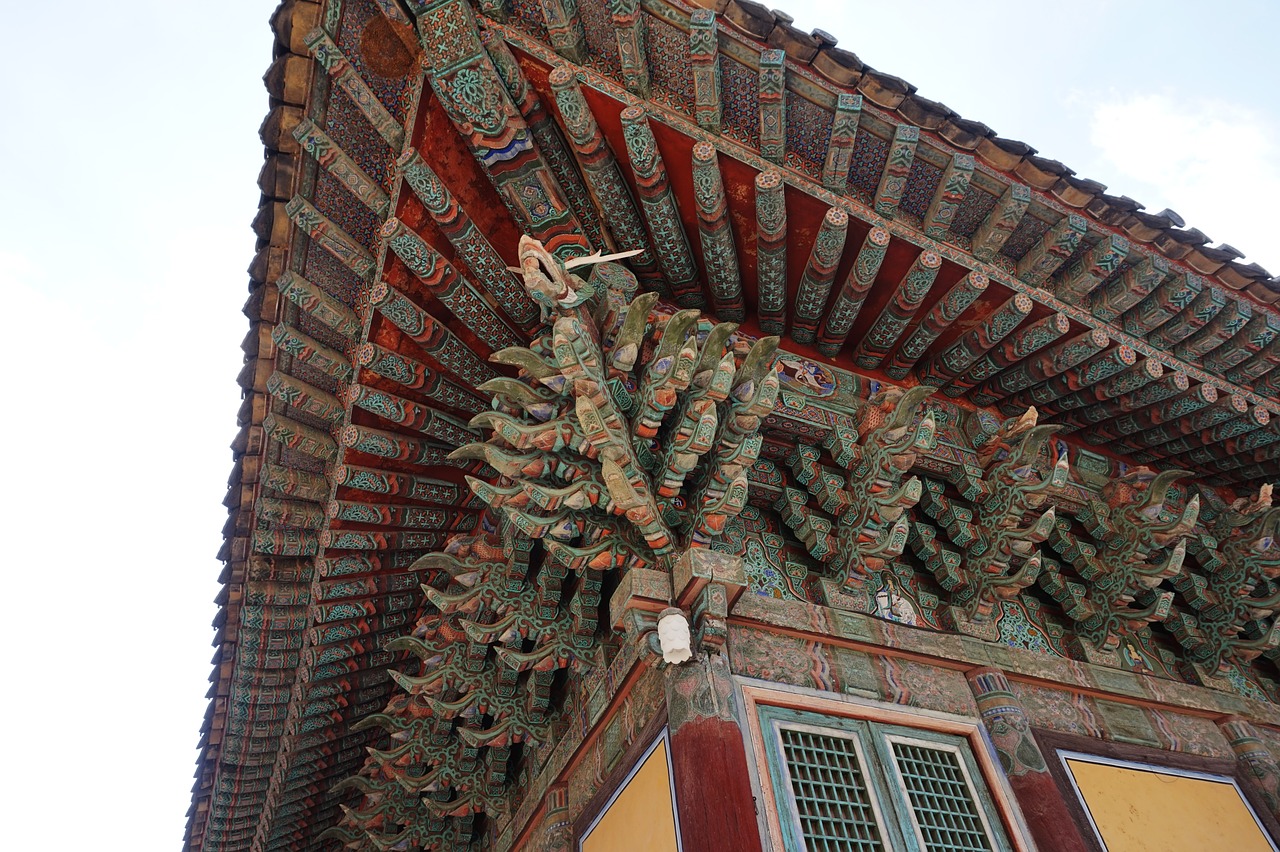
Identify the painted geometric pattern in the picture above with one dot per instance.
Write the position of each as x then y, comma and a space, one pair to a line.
1082, 246
393, 92
740, 98
808, 133
869, 155
290, 457
669, 62
921, 185
320, 332
331, 275
527, 15
602, 42
347, 212
1024, 237
314, 376
975, 207
353, 133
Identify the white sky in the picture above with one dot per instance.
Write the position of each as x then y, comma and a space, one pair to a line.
131, 151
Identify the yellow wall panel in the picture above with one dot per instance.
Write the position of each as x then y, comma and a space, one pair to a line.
641, 818
1140, 810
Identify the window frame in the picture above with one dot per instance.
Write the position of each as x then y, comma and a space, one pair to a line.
1000, 813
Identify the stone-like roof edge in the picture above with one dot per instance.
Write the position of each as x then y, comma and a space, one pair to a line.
288, 84
1165, 231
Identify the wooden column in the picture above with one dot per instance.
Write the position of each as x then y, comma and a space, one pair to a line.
708, 759
1024, 764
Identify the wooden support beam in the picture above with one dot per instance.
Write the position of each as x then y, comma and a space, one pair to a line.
844, 135
902, 306
467, 238
771, 253
1226, 324
1061, 357
658, 203
472, 92
546, 135
499, 10
452, 290
281, 541
380, 540
893, 181
1258, 365
1206, 305
605, 179
1113, 406
853, 292
947, 198
415, 375
1162, 304
336, 162
1054, 247
1001, 222
1268, 384
944, 312
398, 447
1225, 408
394, 484
564, 29
1073, 284
953, 361
1104, 365
1261, 332
984, 351
326, 234
391, 10
1126, 381
322, 307
411, 414
629, 29
314, 354
333, 61
719, 254
773, 116
1109, 302
429, 333
305, 397
1137, 422
815, 284
1257, 447
293, 482
1199, 444
299, 436
704, 59
400, 515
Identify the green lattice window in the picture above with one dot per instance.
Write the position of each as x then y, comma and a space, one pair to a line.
847, 785
833, 801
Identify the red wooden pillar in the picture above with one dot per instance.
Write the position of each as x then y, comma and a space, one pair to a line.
1038, 795
709, 761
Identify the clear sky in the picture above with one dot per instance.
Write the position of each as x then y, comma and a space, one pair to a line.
131, 151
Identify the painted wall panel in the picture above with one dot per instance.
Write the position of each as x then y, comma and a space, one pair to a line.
641, 818
1143, 810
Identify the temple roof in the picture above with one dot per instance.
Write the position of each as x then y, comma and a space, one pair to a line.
761, 173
